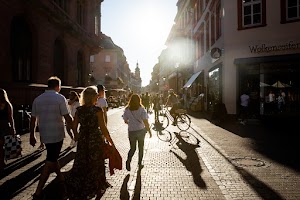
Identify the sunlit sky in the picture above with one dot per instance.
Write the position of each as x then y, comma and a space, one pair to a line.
140, 28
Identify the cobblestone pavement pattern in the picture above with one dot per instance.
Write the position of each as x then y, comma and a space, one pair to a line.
205, 162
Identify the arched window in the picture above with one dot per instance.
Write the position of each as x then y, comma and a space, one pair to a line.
80, 65
59, 60
21, 50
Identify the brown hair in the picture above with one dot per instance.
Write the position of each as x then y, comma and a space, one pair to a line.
72, 92
135, 102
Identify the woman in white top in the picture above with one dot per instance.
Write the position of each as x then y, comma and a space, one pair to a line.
101, 102
135, 115
73, 104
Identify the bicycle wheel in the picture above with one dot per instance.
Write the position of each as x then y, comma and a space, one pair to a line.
183, 122
164, 135
163, 120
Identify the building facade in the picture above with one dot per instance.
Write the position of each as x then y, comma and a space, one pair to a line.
244, 46
41, 38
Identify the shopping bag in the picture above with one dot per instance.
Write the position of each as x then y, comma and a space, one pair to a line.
12, 146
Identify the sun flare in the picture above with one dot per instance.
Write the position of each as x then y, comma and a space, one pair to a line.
153, 28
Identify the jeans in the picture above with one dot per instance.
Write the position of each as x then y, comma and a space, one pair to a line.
136, 137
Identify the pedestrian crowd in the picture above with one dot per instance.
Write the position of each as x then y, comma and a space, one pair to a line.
84, 117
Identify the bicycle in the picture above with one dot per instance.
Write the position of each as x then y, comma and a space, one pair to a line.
182, 120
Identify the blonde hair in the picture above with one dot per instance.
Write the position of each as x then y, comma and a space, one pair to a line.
88, 96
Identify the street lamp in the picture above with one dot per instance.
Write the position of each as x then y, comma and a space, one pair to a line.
164, 87
176, 67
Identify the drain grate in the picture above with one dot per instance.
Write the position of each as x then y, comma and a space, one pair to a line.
248, 162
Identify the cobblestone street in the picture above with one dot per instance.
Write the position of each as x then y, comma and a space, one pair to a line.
205, 162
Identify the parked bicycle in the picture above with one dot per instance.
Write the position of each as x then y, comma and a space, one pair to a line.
181, 119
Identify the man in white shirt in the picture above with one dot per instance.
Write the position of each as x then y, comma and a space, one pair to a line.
101, 102
48, 110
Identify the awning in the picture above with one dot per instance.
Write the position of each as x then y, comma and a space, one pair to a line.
191, 80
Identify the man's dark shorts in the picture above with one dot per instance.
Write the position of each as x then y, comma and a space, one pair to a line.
53, 150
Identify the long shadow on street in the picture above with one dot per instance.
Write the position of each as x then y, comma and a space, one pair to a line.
21, 182
260, 134
191, 162
272, 136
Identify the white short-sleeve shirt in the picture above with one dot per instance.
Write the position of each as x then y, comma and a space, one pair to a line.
49, 109
73, 107
102, 103
135, 118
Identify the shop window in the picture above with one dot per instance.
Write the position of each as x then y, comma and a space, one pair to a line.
214, 88
251, 13
290, 11
21, 45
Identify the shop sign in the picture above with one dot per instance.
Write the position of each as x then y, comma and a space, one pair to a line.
263, 48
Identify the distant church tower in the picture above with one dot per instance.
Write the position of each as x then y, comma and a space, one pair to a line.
137, 72
137, 82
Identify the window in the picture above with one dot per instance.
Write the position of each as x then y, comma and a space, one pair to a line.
290, 11
212, 28
251, 13
21, 49
80, 12
207, 33
59, 60
218, 20
199, 9
200, 42
214, 87
107, 58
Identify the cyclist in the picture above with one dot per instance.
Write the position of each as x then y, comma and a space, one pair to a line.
174, 102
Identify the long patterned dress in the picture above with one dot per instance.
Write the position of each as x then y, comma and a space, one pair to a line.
88, 173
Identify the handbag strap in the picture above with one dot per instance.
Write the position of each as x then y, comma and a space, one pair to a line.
135, 118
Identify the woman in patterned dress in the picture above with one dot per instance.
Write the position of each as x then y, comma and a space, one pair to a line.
87, 177
7, 125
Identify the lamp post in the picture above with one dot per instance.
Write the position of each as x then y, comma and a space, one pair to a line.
176, 67
164, 86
